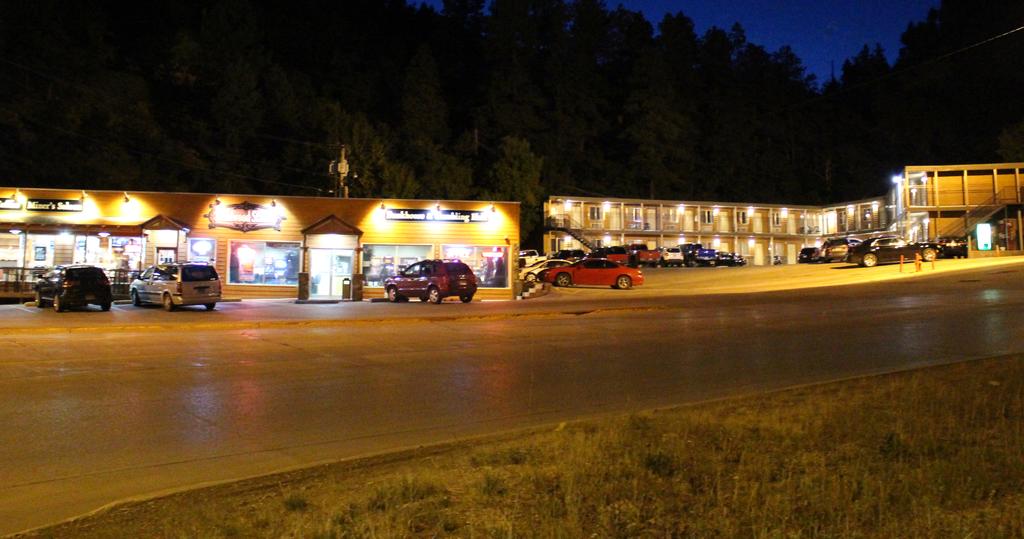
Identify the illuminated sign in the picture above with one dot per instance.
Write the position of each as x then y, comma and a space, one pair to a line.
53, 204
10, 204
244, 216
445, 216
984, 232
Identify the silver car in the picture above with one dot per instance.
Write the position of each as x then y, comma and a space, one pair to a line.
174, 285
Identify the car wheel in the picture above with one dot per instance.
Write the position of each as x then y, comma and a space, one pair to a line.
168, 303
434, 295
563, 279
135, 299
58, 305
691, 264
467, 299
928, 254
39, 300
869, 260
105, 306
392, 293
210, 306
530, 278
623, 282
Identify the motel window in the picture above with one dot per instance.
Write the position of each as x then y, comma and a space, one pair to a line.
594, 213
741, 216
383, 261
707, 217
776, 219
264, 262
489, 264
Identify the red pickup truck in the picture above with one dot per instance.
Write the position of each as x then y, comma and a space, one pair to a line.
640, 255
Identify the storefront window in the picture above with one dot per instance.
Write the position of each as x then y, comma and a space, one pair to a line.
383, 261
126, 252
267, 263
202, 250
490, 264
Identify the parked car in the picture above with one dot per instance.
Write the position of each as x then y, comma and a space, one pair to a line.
615, 253
694, 254
176, 285
570, 254
723, 258
888, 249
529, 257
671, 256
530, 273
641, 255
807, 255
836, 249
596, 271
73, 286
952, 247
432, 280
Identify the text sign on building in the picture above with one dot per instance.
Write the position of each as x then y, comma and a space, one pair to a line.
244, 216
10, 204
53, 204
446, 216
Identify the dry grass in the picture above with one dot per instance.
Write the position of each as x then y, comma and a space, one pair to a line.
933, 453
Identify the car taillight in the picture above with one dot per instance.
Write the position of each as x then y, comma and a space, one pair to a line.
69, 284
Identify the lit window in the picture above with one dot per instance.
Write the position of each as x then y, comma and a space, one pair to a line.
594, 213
489, 264
741, 216
266, 263
383, 261
708, 217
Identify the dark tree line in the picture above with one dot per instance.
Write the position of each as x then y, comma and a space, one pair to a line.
514, 99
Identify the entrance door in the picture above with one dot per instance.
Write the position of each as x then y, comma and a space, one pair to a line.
328, 269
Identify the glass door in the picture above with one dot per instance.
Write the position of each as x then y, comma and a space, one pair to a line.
328, 269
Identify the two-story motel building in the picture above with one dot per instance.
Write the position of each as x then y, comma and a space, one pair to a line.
925, 202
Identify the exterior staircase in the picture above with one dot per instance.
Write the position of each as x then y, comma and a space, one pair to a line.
566, 225
980, 213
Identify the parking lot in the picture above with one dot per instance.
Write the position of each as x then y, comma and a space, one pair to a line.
663, 283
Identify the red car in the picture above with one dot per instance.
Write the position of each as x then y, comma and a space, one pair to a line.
596, 271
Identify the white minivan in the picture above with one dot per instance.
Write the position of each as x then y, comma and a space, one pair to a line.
174, 285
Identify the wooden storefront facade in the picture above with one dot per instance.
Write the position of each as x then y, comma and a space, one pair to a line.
260, 244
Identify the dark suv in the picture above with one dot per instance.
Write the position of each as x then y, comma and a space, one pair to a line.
74, 286
432, 280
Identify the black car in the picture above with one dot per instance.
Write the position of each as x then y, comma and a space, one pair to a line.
952, 247
570, 254
723, 258
807, 255
74, 286
888, 249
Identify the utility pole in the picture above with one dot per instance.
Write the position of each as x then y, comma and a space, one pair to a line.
340, 167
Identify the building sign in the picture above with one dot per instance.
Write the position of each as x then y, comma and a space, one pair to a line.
53, 204
10, 204
245, 216
447, 216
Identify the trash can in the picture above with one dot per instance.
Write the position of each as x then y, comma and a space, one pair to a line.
303, 286
346, 288
357, 287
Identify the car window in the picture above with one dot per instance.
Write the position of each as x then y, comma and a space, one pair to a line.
85, 273
198, 273
456, 268
166, 273
146, 274
594, 264
412, 270
609, 264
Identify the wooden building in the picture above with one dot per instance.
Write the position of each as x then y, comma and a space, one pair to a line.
259, 244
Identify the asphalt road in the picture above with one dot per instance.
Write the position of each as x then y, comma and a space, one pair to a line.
90, 418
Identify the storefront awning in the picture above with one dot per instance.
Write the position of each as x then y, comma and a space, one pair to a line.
332, 225
78, 229
163, 222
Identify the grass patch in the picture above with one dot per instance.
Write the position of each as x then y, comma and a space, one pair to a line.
931, 453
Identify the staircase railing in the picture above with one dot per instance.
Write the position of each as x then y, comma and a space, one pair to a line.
981, 212
564, 223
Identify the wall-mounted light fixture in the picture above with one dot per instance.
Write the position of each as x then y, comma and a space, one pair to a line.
127, 199
784, 212
15, 231
103, 234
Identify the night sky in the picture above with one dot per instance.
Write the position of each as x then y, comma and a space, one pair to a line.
820, 31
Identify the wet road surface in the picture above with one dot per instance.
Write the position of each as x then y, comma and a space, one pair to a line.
92, 418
